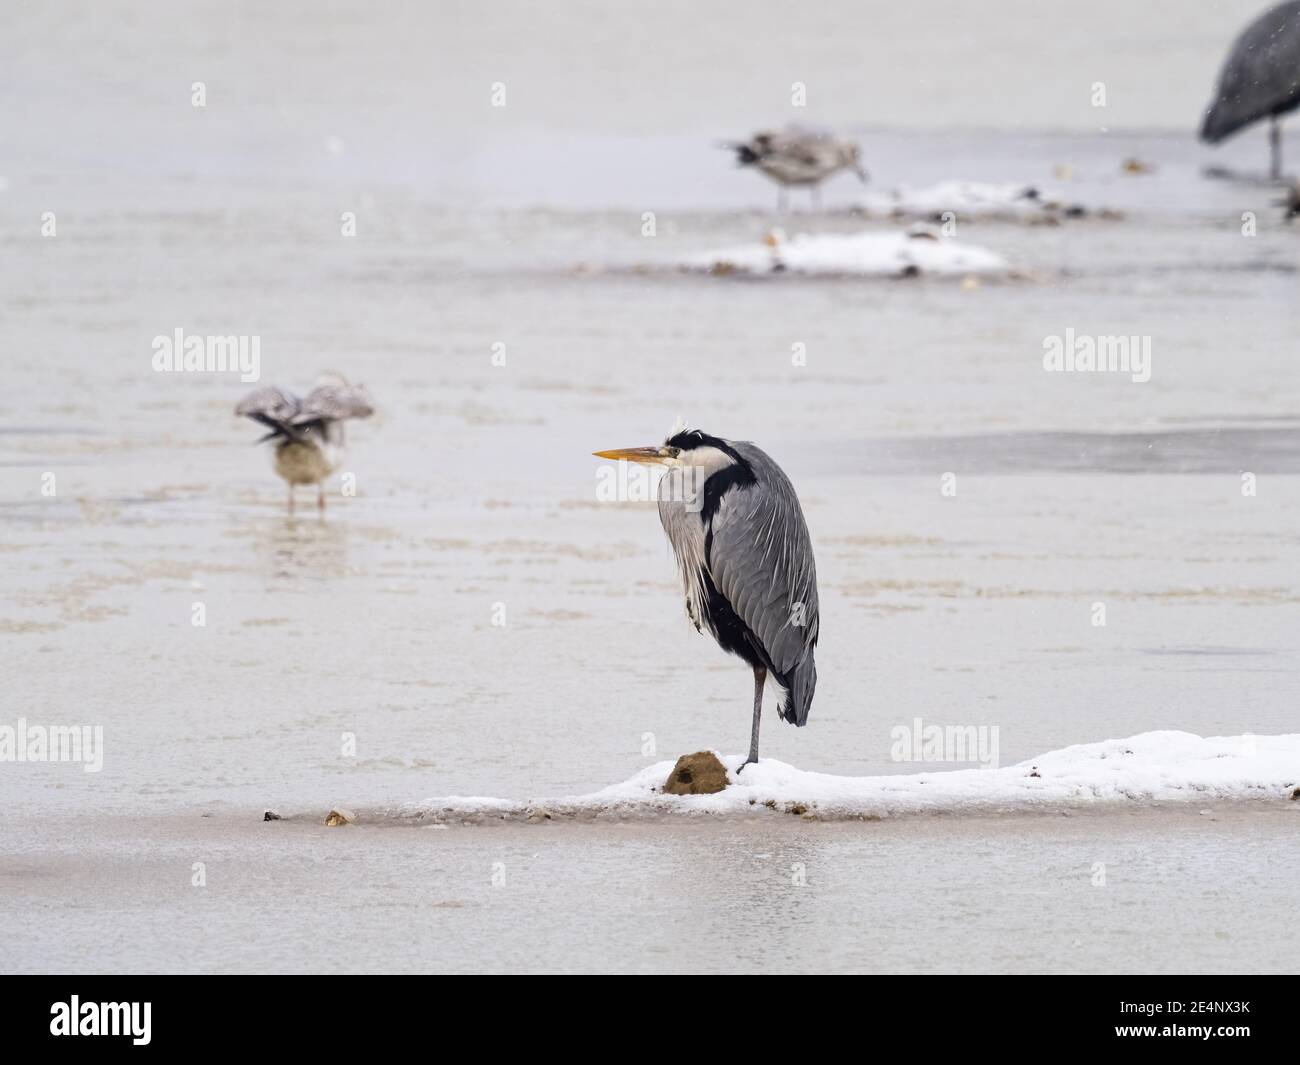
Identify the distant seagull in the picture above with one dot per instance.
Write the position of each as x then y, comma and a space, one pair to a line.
798, 156
1261, 79
308, 433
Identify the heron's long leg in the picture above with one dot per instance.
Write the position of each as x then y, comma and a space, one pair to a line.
1275, 146
760, 675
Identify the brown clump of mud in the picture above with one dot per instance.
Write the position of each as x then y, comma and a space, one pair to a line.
696, 774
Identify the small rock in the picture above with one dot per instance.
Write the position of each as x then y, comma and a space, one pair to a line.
1034, 771
271, 815
340, 817
798, 808
1296, 794
696, 774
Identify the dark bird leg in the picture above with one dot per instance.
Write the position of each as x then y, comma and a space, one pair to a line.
760, 675
320, 497
291, 499
782, 205
1275, 146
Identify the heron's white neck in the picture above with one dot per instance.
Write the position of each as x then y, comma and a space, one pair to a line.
707, 459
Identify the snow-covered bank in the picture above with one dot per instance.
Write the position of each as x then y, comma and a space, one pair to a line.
855, 255
1149, 769
970, 200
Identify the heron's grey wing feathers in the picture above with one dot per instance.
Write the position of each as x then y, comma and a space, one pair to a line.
760, 557
270, 404
334, 403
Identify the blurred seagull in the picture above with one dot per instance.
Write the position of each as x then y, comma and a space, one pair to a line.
308, 433
798, 156
1260, 79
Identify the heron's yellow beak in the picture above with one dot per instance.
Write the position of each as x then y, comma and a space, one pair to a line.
647, 456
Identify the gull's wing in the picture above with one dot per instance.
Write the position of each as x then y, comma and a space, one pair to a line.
271, 406
334, 403
813, 148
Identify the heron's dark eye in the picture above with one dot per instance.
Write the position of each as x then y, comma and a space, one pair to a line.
673, 452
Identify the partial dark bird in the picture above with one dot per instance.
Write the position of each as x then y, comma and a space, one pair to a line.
745, 560
1291, 203
798, 156
307, 433
1260, 79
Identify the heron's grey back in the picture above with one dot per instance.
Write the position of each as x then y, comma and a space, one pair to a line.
760, 557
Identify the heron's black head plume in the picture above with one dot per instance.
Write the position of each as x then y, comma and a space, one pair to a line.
696, 447
687, 439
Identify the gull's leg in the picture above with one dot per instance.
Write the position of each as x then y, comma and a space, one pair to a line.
817, 198
1275, 146
320, 497
782, 205
760, 675
290, 497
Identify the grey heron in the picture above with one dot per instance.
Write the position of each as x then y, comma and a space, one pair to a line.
1260, 79
307, 433
745, 560
799, 156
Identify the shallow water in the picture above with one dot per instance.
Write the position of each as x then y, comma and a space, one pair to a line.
1152, 892
475, 485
